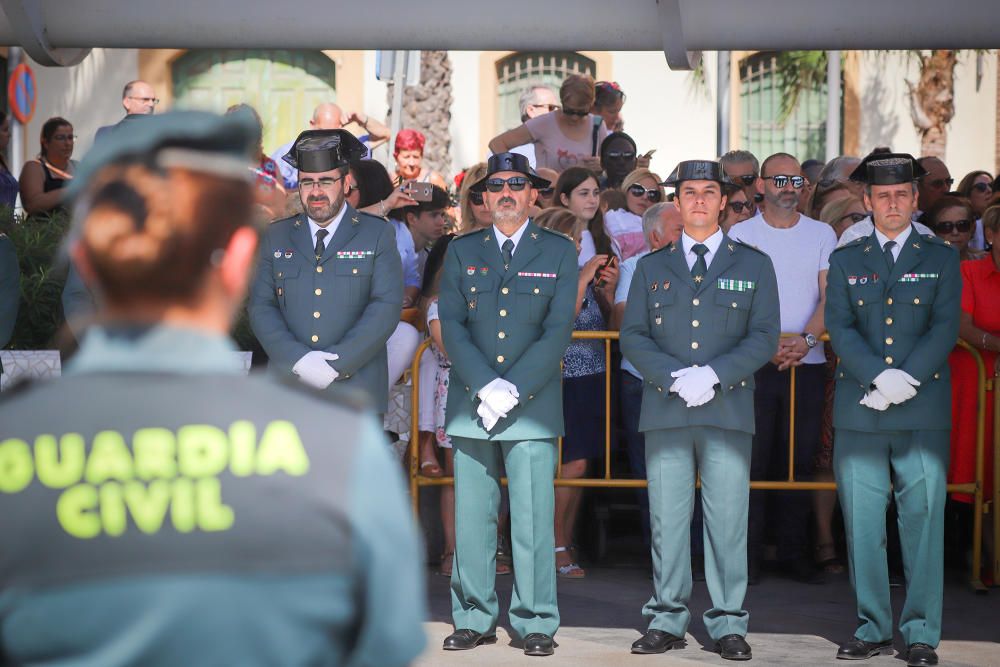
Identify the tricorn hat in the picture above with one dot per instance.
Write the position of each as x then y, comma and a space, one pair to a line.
317, 151
510, 162
888, 169
700, 170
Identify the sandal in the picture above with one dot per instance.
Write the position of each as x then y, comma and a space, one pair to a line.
570, 570
826, 558
447, 562
431, 469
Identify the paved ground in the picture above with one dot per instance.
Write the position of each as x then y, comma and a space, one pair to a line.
790, 624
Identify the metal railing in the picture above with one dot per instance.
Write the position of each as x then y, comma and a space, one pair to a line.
975, 488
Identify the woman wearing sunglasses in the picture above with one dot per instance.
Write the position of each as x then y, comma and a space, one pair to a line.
738, 208
642, 190
977, 187
842, 213
953, 219
566, 137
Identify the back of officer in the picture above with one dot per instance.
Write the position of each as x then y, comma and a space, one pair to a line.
162, 509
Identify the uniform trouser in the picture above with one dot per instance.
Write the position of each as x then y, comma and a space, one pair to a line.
530, 469
722, 458
916, 465
787, 512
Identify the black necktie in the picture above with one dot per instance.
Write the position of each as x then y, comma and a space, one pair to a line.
507, 252
320, 246
700, 267
887, 251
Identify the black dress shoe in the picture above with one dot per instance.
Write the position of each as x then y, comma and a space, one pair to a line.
733, 647
539, 644
657, 641
463, 640
921, 655
859, 649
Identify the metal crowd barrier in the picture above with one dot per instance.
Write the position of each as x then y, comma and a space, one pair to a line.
975, 488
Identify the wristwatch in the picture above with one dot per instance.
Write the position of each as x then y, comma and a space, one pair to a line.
811, 341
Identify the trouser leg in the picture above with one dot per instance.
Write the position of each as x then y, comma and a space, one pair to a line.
635, 441
767, 412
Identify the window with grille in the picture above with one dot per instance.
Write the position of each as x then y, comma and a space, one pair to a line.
518, 70
763, 132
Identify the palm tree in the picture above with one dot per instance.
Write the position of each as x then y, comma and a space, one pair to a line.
932, 99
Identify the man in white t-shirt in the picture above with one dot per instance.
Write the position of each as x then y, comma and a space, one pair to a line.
799, 248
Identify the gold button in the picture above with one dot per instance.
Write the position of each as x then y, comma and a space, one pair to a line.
888, 321
695, 302
660, 389
743, 383
695, 323
316, 314
315, 338
861, 302
531, 396
535, 290
500, 359
937, 376
280, 274
734, 304
318, 291
841, 375
319, 269
505, 290
656, 305
916, 301
501, 335
354, 271
472, 289
888, 341
889, 301
888, 360
694, 345
503, 312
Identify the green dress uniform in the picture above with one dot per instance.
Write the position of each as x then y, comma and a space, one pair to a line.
10, 290
347, 302
904, 317
513, 323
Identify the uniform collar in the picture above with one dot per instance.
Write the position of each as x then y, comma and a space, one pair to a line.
712, 242
332, 227
900, 240
515, 237
158, 348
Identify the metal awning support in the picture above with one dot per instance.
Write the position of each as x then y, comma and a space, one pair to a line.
28, 23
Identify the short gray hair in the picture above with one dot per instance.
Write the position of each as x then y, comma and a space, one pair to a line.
652, 218
528, 97
834, 167
737, 157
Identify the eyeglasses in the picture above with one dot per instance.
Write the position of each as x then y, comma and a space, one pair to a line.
621, 155
546, 192
574, 112
146, 100
748, 179
476, 197
64, 137
781, 180
548, 107
740, 206
982, 187
947, 226
516, 183
939, 183
310, 183
855, 217
653, 194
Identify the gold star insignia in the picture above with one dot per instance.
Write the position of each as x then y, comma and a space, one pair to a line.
947, 242
731, 247
868, 248
917, 246
354, 220
534, 235
486, 238
698, 279
673, 248
298, 223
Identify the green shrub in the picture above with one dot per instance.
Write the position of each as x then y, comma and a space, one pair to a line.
38, 242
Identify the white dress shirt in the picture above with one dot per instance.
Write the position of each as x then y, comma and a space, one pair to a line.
516, 237
900, 240
712, 243
332, 227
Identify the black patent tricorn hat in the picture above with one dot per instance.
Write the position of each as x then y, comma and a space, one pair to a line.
700, 170
317, 151
888, 169
510, 162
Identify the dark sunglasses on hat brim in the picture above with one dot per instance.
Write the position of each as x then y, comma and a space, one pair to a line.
947, 227
653, 194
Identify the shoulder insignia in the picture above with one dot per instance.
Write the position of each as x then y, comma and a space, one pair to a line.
934, 240
555, 233
670, 247
354, 219
851, 244
471, 232
744, 244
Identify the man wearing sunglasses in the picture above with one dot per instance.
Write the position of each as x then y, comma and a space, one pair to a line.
742, 169
799, 248
507, 306
933, 185
701, 318
329, 286
892, 310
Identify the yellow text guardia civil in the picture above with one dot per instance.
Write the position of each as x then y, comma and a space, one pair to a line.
109, 482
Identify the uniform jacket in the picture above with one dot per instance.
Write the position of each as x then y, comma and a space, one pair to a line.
731, 322
347, 303
513, 323
906, 319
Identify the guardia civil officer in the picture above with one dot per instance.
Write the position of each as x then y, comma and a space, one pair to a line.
10, 290
892, 312
167, 509
702, 317
329, 286
507, 309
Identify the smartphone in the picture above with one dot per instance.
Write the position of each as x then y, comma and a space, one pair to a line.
609, 261
648, 154
419, 190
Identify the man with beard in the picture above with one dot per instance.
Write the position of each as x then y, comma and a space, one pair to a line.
507, 305
329, 286
799, 248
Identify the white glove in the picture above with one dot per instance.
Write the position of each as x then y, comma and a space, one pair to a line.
693, 384
500, 395
896, 385
875, 400
489, 417
314, 369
